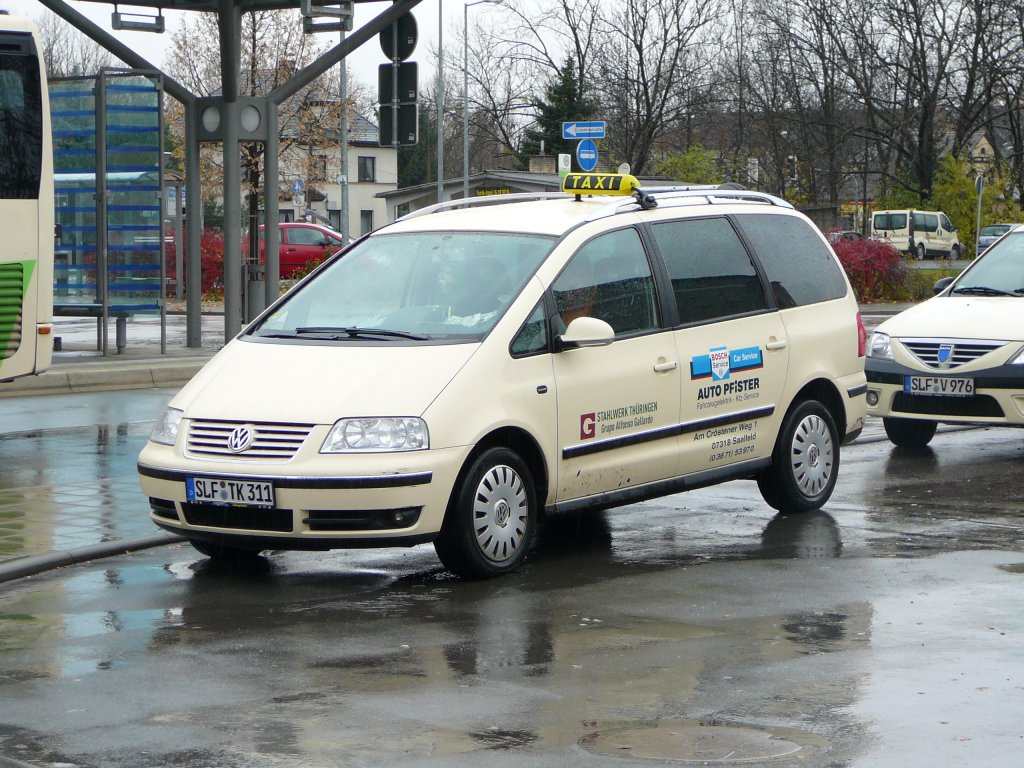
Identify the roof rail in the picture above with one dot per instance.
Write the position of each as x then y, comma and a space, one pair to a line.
710, 193
476, 202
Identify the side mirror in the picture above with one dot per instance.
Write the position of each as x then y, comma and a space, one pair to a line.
941, 285
586, 332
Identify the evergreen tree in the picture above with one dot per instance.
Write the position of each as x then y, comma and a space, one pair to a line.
564, 102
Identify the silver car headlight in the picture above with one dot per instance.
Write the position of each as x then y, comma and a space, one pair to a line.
880, 347
380, 435
165, 432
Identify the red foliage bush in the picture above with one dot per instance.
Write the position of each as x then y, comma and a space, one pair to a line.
211, 254
876, 270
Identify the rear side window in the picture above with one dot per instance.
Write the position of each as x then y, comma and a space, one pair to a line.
799, 265
711, 273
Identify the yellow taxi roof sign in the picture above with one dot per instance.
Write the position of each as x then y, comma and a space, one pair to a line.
600, 183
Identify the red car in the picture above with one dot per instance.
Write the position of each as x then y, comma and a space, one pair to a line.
303, 245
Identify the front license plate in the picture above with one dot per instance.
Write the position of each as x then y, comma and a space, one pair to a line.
223, 490
938, 385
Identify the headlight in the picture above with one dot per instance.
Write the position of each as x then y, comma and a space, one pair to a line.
166, 430
1017, 359
381, 435
879, 346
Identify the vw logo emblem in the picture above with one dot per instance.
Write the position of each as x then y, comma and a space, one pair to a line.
240, 439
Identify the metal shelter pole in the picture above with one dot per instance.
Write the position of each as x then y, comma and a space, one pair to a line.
230, 27
193, 231
271, 212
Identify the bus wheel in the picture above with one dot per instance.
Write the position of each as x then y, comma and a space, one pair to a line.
490, 521
805, 461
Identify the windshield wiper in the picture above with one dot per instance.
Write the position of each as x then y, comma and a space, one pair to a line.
982, 290
354, 333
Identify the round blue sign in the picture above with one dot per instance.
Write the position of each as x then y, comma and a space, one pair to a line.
586, 155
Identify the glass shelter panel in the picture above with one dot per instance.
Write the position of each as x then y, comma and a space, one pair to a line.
108, 164
73, 117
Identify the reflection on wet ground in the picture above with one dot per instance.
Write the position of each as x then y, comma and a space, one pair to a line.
701, 607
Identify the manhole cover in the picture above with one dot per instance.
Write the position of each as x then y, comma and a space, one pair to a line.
701, 741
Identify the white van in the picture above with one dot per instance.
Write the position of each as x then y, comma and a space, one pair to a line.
460, 373
919, 233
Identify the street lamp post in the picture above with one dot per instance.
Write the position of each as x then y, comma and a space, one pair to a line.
465, 93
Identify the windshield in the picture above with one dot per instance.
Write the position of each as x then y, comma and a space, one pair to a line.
423, 285
999, 271
995, 229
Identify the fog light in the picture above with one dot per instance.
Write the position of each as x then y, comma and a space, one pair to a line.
872, 397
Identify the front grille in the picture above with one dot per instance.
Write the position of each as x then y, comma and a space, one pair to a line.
12, 289
361, 519
270, 442
927, 351
936, 405
238, 518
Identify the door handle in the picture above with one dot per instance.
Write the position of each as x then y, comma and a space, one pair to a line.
774, 344
664, 367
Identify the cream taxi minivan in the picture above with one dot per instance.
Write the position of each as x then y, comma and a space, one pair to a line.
456, 376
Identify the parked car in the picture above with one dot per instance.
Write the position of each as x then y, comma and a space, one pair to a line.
302, 244
840, 236
991, 233
918, 233
460, 374
957, 358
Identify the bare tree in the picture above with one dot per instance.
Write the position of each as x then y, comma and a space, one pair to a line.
273, 49
68, 52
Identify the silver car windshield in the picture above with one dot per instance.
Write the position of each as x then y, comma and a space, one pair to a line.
999, 271
424, 285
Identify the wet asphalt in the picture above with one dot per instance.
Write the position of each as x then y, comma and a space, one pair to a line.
884, 630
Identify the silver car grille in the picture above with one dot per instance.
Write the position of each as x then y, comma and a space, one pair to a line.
943, 354
245, 440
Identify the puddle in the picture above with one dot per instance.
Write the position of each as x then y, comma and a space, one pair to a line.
708, 742
1012, 568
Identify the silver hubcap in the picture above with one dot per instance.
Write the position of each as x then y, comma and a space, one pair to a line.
812, 455
500, 513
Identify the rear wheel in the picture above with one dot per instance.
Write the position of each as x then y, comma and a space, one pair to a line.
805, 462
490, 521
909, 433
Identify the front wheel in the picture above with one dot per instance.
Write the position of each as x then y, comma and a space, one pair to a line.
490, 521
218, 550
954, 253
921, 252
805, 462
909, 433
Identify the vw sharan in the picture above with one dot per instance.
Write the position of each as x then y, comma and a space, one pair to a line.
476, 365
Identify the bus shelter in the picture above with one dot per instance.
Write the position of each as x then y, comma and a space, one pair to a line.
109, 203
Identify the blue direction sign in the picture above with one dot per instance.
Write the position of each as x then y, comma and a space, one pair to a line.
589, 129
586, 155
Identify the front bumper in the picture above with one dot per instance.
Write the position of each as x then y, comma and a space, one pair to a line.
998, 397
369, 505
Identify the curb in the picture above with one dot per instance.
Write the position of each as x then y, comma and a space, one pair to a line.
30, 566
145, 375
